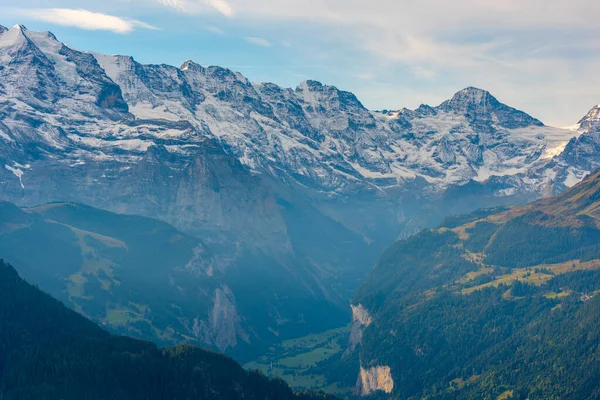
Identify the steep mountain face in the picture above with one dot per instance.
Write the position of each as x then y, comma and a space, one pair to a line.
581, 153
144, 278
48, 352
501, 302
301, 185
67, 135
591, 122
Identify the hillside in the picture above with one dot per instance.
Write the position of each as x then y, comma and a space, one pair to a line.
50, 352
142, 277
501, 303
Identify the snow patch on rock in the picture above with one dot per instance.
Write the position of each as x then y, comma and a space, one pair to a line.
17, 171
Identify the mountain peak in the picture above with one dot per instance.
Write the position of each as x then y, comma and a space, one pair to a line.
3, 29
309, 85
191, 65
14, 36
483, 109
470, 96
591, 119
20, 27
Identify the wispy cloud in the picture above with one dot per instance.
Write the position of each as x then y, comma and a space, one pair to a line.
84, 19
366, 76
173, 3
200, 6
221, 6
416, 47
214, 29
258, 41
424, 73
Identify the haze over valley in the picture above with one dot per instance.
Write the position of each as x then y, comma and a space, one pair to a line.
444, 251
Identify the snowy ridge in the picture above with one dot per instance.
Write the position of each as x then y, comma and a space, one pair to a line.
315, 135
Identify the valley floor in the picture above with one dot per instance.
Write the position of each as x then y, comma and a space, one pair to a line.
297, 360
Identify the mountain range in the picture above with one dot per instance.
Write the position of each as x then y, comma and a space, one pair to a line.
264, 184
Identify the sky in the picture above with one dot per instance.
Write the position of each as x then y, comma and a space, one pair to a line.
540, 56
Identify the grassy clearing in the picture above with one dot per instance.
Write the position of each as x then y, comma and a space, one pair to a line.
529, 275
561, 295
313, 357
506, 395
122, 316
94, 265
76, 286
472, 275
292, 360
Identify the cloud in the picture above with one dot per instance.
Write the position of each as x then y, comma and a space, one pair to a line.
84, 19
200, 6
534, 54
173, 3
221, 6
258, 41
367, 76
214, 29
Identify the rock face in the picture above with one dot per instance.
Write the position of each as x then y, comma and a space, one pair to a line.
374, 379
361, 319
224, 325
293, 189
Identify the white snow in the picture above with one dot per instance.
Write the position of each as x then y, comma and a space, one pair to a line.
555, 150
545, 134
370, 174
443, 149
9, 39
26, 166
5, 136
16, 172
572, 179
51, 47
136, 145
146, 110
12, 37
573, 128
109, 63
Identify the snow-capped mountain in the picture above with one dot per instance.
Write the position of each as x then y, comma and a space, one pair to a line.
304, 184
326, 139
315, 135
591, 121
580, 156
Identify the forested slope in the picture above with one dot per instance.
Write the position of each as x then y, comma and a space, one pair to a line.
499, 304
50, 352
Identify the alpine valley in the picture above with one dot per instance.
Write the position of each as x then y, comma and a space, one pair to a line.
191, 205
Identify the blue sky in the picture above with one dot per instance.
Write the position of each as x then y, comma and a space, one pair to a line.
539, 56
